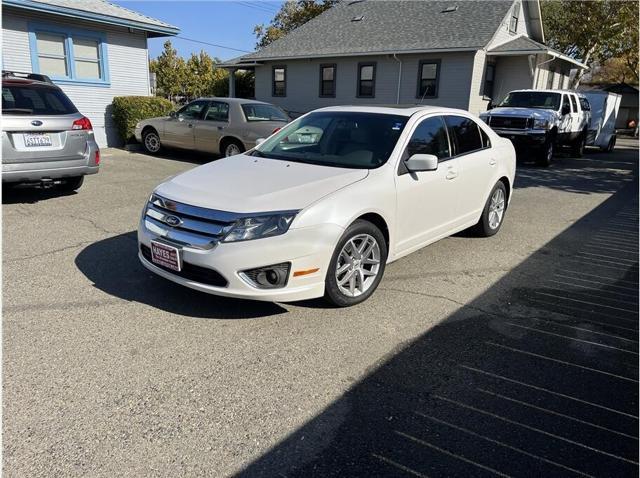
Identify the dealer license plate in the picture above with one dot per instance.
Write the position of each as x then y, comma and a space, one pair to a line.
39, 139
166, 256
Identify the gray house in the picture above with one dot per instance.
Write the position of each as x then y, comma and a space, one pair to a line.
94, 50
459, 54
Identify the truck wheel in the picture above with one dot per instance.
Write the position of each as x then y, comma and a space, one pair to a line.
577, 148
612, 144
545, 153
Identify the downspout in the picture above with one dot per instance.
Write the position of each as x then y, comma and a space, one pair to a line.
538, 69
395, 57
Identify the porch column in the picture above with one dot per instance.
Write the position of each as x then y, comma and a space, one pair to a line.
232, 82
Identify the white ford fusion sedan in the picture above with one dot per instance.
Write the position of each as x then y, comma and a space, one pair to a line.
322, 205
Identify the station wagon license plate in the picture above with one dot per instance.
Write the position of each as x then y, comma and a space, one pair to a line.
166, 256
37, 139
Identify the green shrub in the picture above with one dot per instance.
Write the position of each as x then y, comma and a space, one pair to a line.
128, 110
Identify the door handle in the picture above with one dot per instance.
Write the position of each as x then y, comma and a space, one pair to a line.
220, 128
452, 174
492, 162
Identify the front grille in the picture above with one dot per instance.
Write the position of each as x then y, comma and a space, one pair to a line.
202, 275
510, 122
188, 225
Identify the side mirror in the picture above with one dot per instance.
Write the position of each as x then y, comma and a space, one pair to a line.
565, 109
173, 114
422, 162
259, 140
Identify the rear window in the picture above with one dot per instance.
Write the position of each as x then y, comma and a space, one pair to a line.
466, 134
35, 100
259, 112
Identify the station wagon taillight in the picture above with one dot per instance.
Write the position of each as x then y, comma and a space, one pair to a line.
276, 130
97, 157
82, 123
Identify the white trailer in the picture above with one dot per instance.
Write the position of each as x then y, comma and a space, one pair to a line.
604, 111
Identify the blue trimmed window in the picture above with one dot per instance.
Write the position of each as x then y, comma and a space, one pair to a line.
69, 55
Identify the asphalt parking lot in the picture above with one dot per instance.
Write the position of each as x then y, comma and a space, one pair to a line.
515, 355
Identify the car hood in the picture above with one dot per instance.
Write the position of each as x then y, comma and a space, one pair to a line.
248, 184
537, 113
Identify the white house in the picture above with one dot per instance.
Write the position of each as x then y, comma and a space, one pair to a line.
94, 50
460, 53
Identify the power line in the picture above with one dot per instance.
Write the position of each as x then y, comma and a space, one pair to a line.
213, 44
259, 8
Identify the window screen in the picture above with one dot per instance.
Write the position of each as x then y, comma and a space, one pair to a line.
366, 80
428, 79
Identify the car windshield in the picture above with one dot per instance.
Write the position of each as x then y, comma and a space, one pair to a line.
336, 138
35, 100
532, 99
260, 112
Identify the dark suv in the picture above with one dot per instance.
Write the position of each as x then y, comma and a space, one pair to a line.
45, 140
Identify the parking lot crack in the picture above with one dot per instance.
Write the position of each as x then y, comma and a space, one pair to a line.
43, 254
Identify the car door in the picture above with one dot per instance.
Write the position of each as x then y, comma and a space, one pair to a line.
564, 128
575, 118
179, 130
477, 163
209, 129
426, 201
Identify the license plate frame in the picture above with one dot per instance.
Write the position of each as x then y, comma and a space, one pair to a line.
35, 140
166, 256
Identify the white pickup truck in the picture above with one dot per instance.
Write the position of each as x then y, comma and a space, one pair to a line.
541, 120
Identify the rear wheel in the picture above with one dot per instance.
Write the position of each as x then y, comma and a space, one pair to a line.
577, 148
72, 184
231, 147
612, 144
151, 141
357, 265
493, 212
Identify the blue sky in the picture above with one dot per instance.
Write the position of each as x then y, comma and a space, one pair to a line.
228, 23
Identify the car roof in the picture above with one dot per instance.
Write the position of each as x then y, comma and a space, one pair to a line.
24, 81
398, 110
233, 100
549, 91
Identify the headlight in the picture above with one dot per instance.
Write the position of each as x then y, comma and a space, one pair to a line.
540, 124
256, 227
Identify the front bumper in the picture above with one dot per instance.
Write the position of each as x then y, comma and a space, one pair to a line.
305, 248
527, 138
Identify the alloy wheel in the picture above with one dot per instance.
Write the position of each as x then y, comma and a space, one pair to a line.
358, 265
152, 142
496, 208
232, 150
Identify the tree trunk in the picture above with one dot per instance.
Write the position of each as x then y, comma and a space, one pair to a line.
581, 71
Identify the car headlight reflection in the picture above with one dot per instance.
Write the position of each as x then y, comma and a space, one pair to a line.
541, 124
256, 227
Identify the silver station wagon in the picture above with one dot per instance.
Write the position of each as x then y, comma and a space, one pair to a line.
225, 126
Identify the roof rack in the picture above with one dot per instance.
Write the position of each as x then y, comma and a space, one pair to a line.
26, 75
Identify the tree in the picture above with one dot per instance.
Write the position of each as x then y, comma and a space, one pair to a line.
614, 70
292, 14
592, 31
170, 70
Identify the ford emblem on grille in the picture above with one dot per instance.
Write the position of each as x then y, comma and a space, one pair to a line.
36, 123
173, 221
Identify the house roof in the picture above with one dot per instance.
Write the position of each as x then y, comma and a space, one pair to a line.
523, 45
100, 11
365, 27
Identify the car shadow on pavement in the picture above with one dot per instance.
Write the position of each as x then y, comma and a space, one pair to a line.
183, 156
31, 194
113, 266
538, 376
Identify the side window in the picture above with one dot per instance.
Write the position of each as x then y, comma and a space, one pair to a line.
192, 110
217, 111
584, 103
328, 80
574, 105
486, 142
430, 137
513, 23
465, 133
428, 73
366, 80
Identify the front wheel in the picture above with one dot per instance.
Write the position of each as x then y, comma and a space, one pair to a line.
545, 154
493, 212
232, 147
577, 149
151, 141
357, 265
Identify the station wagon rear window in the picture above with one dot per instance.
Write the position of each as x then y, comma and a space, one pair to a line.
258, 112
35, 100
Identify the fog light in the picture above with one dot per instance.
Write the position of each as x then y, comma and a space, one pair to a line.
268, 277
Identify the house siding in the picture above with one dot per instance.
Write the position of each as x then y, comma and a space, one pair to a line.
503, 34
303, 81
512, 73
128, 67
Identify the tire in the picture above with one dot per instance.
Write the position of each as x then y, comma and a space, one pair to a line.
544, 155
577, 148
612, 144
72, 184
496, 204
151, 141
231, 147
372, 263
